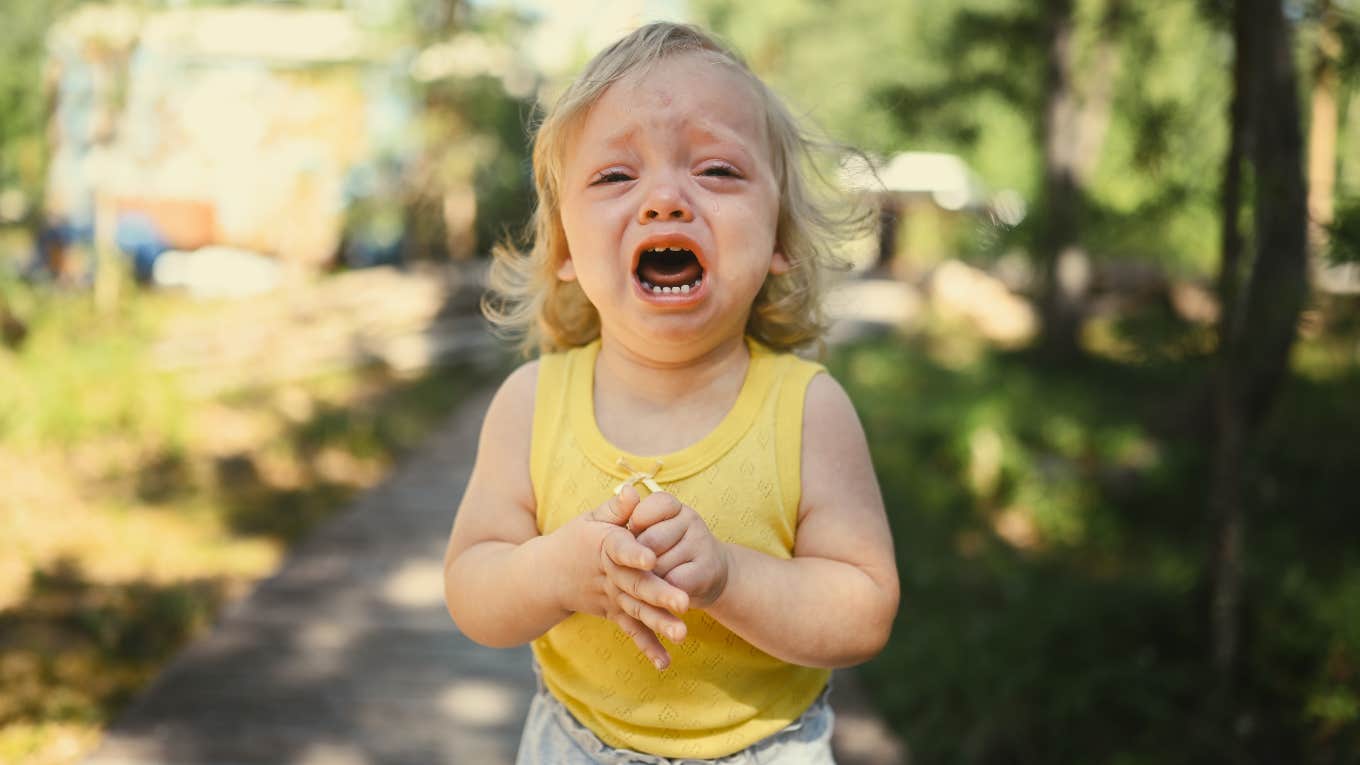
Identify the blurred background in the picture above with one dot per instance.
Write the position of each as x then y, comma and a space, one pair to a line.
1104, 333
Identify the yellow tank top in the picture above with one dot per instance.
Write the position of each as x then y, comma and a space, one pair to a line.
720, 693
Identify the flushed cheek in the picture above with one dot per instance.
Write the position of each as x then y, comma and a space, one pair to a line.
593, 258
593, 232
751, 251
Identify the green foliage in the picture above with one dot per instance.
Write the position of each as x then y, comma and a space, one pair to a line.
1344, 233
969, 78
1050, 532
83, 375
501, 178
22, 53
472, 134
133, 627
1159, 175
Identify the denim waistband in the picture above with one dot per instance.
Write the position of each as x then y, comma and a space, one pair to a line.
818, 712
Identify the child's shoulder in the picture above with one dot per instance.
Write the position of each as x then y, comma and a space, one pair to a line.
512, 407
835, 453
826, 403
827, 408
515, 399
519, 385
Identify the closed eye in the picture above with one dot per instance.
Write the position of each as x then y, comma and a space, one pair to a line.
610, 176
721, 171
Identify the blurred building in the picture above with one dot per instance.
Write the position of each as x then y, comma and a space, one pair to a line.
924, 200
252, 127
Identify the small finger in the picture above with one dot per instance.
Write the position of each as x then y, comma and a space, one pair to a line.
656, 507
686, 576
622, 549
618, 509
649, 588
656, 591
645, 640
667, 562
656, 620
664, 535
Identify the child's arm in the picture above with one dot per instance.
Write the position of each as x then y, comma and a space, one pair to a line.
504, 584
833, 603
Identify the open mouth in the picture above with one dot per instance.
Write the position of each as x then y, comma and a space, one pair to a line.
669, 271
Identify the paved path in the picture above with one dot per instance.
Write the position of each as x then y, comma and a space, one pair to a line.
347, 655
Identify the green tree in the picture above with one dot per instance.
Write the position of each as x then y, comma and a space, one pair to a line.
1263, 285
1105, 114
23, 110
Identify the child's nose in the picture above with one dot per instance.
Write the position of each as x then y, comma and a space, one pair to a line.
664, 202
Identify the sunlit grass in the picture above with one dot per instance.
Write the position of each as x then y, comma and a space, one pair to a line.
131, 512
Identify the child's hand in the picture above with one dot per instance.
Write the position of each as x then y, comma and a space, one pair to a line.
612, 578
688, 556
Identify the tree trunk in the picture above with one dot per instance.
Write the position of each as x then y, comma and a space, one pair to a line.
1075, 121
1278, 285
1257, 327
1230, 262
1225, 500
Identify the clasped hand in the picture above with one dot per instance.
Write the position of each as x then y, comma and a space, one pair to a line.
651, 561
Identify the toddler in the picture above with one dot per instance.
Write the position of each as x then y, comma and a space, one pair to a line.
678, 513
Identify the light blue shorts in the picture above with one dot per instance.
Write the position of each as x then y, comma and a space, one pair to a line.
553, 737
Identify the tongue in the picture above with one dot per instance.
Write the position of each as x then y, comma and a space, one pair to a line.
670, 271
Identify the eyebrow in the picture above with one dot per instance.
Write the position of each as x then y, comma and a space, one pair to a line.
621, 139
727, 137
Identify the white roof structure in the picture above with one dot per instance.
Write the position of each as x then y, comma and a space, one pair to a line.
949, 180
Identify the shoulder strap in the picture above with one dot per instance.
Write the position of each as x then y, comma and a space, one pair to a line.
550, 409
796, 375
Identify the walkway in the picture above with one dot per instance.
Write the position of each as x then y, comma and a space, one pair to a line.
347, 656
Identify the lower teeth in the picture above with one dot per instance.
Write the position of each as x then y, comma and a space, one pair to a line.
683, 289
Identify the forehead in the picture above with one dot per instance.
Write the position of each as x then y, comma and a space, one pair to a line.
689, 93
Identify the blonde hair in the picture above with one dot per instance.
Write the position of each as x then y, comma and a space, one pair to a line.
528, 301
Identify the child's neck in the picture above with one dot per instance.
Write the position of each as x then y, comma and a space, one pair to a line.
650, 406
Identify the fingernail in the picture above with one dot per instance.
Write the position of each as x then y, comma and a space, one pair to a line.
659, 663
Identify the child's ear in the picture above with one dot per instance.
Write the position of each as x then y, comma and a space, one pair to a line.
779, 264
567, 270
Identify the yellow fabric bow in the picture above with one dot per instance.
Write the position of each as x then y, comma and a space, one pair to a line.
636, 476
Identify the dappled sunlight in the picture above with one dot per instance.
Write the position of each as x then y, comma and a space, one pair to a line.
481, 703
138, 542
57, 741
416, 584
881, 301
1016, 525
327, 645
962, 292
128, 540
76, 649
332, 753
986, 450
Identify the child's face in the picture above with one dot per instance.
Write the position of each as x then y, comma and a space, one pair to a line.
669, 205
